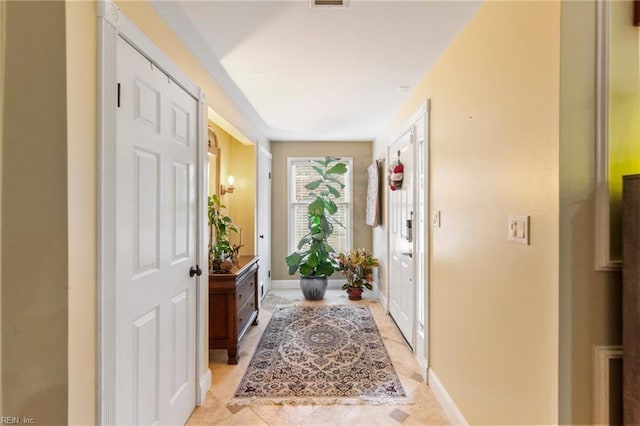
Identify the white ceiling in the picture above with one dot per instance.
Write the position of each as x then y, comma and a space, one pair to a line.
302, 73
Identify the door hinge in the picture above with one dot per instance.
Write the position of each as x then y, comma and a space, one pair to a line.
118, 95
269, 274
269, 175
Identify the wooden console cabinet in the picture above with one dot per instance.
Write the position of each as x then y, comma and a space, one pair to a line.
233, 305
631, 299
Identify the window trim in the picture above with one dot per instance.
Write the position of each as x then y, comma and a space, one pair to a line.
291, 242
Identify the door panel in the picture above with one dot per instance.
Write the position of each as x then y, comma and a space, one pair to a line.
180, 210
179, 344
401, 209
145, 184
156, 245
146, 349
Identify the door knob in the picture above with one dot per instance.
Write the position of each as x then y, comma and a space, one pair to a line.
195, 270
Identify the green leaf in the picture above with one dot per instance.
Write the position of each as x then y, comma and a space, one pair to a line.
325, 269
293, 259
338, 169
316, 207
313, 185
326, 226
333, 191
313, 260
367, 285
328, 247
318, 236
318, 170
315, 246
306, 270
304, 240
331, 207
293, 269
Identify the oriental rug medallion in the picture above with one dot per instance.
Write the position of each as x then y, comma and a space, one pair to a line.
330, 354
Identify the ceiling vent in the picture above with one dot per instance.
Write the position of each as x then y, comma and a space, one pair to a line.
342, 4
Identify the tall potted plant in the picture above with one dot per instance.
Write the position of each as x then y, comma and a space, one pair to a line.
314, 258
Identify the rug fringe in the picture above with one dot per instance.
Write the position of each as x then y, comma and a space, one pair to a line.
321, 401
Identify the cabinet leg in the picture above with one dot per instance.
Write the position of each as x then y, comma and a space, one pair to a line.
232, 354
255, 321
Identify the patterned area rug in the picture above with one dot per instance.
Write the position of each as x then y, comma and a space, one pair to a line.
320, 355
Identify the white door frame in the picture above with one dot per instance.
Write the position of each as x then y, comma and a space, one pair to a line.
262, 176
419, 239
112, 23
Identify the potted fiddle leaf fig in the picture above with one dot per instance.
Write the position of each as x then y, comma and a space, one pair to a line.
314, 258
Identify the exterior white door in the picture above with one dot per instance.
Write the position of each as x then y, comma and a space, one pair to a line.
401, 235
264, 221
156, 153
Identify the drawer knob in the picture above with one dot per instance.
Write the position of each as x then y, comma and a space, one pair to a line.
240, 296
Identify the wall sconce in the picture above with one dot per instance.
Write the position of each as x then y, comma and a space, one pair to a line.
229, 188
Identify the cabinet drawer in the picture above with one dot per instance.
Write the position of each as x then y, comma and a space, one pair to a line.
244, 314
245, 290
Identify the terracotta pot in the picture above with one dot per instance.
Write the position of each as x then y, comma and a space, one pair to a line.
355, 293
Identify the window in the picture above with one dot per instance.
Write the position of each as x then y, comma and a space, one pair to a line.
301, 173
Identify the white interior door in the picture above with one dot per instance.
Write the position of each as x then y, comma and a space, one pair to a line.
264, 220
156, 151
401, 247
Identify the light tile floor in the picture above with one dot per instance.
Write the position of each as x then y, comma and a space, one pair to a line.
214, 411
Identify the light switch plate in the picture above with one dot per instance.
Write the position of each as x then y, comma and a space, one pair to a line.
435, 219
519, 229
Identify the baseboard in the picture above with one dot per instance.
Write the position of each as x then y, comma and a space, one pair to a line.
382, 298
295, 284
446, 402
204, 384
602, 358
424, 368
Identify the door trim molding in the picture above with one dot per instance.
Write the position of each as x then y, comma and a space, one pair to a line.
112, 23
602, 251
602, 357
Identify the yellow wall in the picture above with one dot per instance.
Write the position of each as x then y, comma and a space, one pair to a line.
238, 160
243, 169
34, 214
494, 153
362, 158
590, 302
624, 110
81, 45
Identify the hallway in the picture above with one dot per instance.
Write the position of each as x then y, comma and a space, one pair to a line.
425, 411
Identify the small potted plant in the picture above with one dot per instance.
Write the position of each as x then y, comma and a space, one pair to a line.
221, 251
357, 267
314, 258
